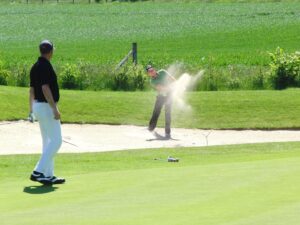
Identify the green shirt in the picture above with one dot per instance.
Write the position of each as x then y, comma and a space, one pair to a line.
160, 79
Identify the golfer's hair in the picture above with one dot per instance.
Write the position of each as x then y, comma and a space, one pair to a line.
46, 47
44, 51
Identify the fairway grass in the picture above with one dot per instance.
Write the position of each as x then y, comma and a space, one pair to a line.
232, 185
210, 110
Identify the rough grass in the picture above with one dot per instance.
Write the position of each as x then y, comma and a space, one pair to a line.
245, 184
217, 110
222, 34
226, 38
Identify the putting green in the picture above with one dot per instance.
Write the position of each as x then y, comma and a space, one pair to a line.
245, 184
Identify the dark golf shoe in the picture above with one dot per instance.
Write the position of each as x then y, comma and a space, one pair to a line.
57, 180
40, 177
168, 136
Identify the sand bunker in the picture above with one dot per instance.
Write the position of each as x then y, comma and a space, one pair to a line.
22, 137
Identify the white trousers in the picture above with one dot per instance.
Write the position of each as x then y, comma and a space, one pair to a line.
51, 136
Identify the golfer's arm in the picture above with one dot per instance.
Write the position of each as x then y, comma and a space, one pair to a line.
31, 98
171, 78
48, 95
159, 88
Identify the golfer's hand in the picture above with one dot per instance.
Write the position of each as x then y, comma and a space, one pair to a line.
31, 117
56, 114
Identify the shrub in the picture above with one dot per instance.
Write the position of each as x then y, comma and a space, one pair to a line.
233, 77
258, 81
83, 71
69, 77
138, 76
130, 78
284, 69
233, 83
208, 82
21, 77
214, 80
4, 74
102, 78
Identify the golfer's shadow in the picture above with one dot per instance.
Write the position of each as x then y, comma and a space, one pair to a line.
36, 190
158, 137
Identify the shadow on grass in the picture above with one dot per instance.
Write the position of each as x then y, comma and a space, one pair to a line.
43, 189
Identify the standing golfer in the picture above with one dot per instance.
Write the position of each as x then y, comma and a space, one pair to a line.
44, 96
161, 81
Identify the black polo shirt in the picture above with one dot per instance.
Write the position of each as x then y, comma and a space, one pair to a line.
43, 73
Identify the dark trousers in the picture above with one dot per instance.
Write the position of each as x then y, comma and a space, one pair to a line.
160, 102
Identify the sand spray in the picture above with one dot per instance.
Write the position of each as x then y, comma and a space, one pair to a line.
184, 82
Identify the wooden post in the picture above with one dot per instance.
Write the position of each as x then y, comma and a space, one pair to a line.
134, 53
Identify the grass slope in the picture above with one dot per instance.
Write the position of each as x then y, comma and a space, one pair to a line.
232, 185
218, 110
223, 34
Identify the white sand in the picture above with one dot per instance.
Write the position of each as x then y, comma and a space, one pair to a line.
22, 137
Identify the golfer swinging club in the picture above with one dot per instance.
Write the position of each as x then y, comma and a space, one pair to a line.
161, 81
44, 96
